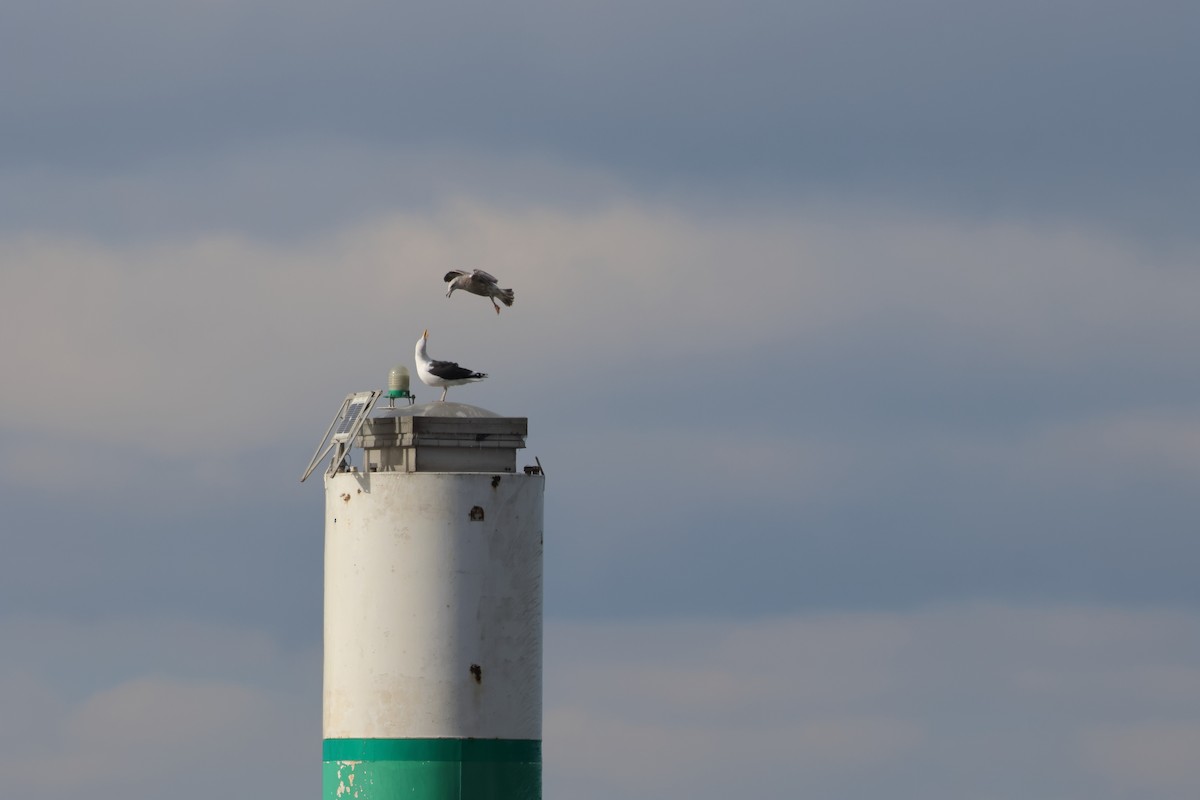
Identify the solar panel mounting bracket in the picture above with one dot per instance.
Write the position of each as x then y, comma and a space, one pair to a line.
345, 426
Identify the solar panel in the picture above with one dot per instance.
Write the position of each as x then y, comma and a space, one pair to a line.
348, 419
354, 411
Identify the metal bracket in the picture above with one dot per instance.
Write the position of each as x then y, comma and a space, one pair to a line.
345, 426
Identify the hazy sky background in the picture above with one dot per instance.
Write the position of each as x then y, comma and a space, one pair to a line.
857, 340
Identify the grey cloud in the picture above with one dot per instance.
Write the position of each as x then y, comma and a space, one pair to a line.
1020, 109
280, 191
763, 377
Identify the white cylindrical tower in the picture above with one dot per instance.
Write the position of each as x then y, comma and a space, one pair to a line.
433, 609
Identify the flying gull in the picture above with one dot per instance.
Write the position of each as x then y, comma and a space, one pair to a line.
442, 373
478, 282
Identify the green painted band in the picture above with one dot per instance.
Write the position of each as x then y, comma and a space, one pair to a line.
528, 751
431, 780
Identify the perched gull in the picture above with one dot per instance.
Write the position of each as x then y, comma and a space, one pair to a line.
477, 282
442, 373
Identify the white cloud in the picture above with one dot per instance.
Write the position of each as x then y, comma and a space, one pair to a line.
1156, 757
134, 330
994, 701
190, 354
920, 704
160, 725
664, 760
152, 707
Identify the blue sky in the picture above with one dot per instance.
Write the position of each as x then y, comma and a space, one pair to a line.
856, 340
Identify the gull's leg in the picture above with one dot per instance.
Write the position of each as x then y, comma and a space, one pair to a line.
494, 305
443, 397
